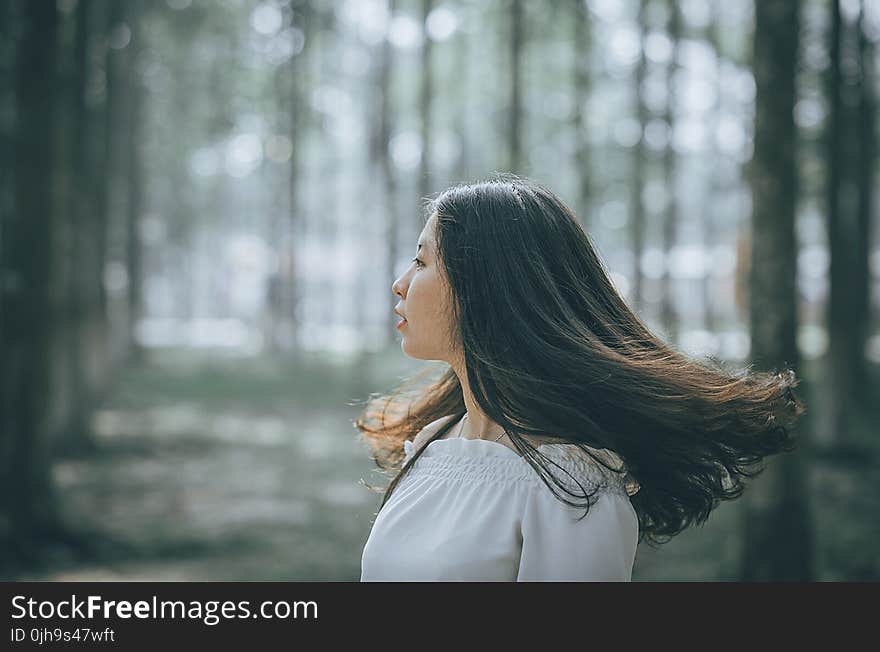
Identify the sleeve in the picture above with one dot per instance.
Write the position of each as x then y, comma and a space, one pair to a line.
557, 547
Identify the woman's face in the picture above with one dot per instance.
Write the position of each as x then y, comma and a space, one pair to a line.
424, 302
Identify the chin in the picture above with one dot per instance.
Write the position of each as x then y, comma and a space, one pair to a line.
409, 352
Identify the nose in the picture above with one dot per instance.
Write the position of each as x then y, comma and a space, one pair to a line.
397, 288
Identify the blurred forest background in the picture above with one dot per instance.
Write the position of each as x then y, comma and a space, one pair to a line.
204, 203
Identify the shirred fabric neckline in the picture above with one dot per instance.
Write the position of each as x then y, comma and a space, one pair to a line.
509, 451
491, 451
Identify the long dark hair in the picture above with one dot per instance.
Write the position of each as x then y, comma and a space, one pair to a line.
551, 349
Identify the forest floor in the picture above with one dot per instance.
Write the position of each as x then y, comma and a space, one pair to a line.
210, 468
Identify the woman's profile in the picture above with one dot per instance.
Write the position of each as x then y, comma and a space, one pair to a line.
562, 432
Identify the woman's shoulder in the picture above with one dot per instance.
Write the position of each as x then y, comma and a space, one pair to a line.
600, 464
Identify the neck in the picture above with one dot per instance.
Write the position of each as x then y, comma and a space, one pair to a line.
477, 425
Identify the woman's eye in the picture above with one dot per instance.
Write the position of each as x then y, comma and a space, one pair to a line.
418, 262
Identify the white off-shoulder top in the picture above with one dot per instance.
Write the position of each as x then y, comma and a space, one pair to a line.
474, 510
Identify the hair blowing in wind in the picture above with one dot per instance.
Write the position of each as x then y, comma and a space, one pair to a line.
551, 350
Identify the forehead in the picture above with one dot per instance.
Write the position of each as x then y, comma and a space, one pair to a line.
426, 240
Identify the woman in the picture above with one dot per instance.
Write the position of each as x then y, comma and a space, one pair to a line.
552, 384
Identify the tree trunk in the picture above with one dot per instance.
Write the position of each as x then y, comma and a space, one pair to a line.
581, 85
514, 132
135, 177
867, 167
637, 211
668, 314
847, 154
839, 248
107, 184
389, 177
63, 384
426, 92
80, 216
710, 217
777, 535
462, 58
27, 499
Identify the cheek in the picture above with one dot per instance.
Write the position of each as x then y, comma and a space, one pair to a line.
420, 291
420, 305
